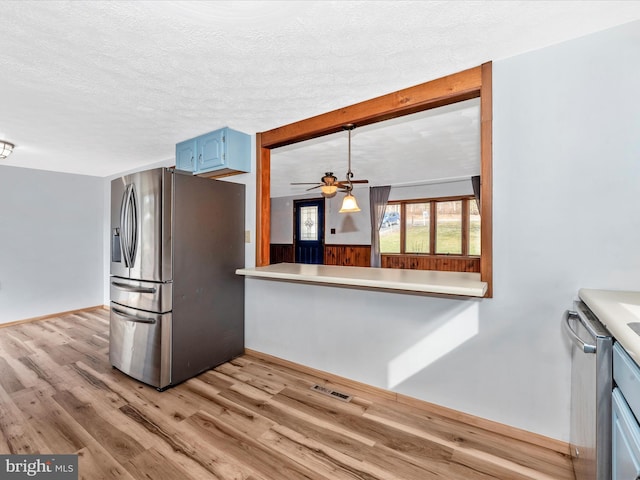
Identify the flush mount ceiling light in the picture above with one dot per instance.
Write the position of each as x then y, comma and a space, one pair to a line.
349, 203
5, 149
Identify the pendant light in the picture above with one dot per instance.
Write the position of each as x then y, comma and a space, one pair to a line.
349, 203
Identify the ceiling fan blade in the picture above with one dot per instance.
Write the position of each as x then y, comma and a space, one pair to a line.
346, 182
307, 183
313, 188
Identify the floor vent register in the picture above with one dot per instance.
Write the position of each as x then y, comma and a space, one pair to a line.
332, 393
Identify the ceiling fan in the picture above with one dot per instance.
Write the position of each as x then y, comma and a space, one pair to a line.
329, 183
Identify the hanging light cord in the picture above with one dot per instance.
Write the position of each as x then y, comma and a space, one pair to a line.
349, 127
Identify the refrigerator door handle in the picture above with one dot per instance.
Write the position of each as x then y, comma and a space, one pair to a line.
134, 289
133, 318
129, 225
133, 219
124, 207
566, 318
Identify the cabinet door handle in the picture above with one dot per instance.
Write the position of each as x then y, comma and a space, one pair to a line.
200, 159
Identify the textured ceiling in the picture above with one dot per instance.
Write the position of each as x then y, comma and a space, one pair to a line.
101, 87
442, 143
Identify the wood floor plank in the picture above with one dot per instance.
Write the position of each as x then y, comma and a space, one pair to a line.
52, 423
118, 443
9, 379
173, 403
469, 439
248, 450
249, 419
321, 458
152, 465
186, 446
95, 463
285, 412
11, 345
17, 434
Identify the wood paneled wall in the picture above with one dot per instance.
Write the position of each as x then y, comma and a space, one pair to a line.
442, 263
281, 253
360, 256
348, 255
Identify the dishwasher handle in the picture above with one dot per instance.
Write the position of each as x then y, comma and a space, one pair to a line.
566, 322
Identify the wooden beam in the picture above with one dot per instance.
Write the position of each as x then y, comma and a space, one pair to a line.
436, 93
263, 202
486, 179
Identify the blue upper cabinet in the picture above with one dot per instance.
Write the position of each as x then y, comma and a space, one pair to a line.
211, 151
186, 155
218, 153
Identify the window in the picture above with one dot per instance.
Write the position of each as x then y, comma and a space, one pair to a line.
439, 226
309, 223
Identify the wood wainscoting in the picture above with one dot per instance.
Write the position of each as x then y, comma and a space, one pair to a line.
343, 255
348, 255
441, 263
281, 253
360, 256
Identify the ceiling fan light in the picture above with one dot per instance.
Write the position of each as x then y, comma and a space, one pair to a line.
329, 190
5, 149
349, 204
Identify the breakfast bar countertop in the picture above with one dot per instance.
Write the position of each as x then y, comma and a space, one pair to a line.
421, 281
619, 311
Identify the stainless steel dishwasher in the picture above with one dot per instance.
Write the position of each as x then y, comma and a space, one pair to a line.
591, 387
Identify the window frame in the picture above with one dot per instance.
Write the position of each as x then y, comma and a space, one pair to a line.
433, 221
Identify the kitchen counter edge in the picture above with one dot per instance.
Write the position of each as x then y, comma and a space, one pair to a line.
421, 281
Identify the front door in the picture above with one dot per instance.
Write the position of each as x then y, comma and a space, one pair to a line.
309, 230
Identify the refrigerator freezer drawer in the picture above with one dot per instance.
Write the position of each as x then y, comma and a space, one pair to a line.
140, 344
149, 296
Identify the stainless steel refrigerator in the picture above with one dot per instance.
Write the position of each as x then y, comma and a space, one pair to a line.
177, 306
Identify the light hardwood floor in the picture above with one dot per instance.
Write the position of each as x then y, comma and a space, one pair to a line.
248, 419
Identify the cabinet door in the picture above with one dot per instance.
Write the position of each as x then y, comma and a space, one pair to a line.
211, 150
626, 440
186, 155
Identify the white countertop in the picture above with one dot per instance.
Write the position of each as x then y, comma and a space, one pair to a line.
424, 281
619, 311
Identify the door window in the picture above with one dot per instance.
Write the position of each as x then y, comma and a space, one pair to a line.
309, 223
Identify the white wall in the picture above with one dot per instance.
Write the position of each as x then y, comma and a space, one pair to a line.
50, 242
351, 228
566, 183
